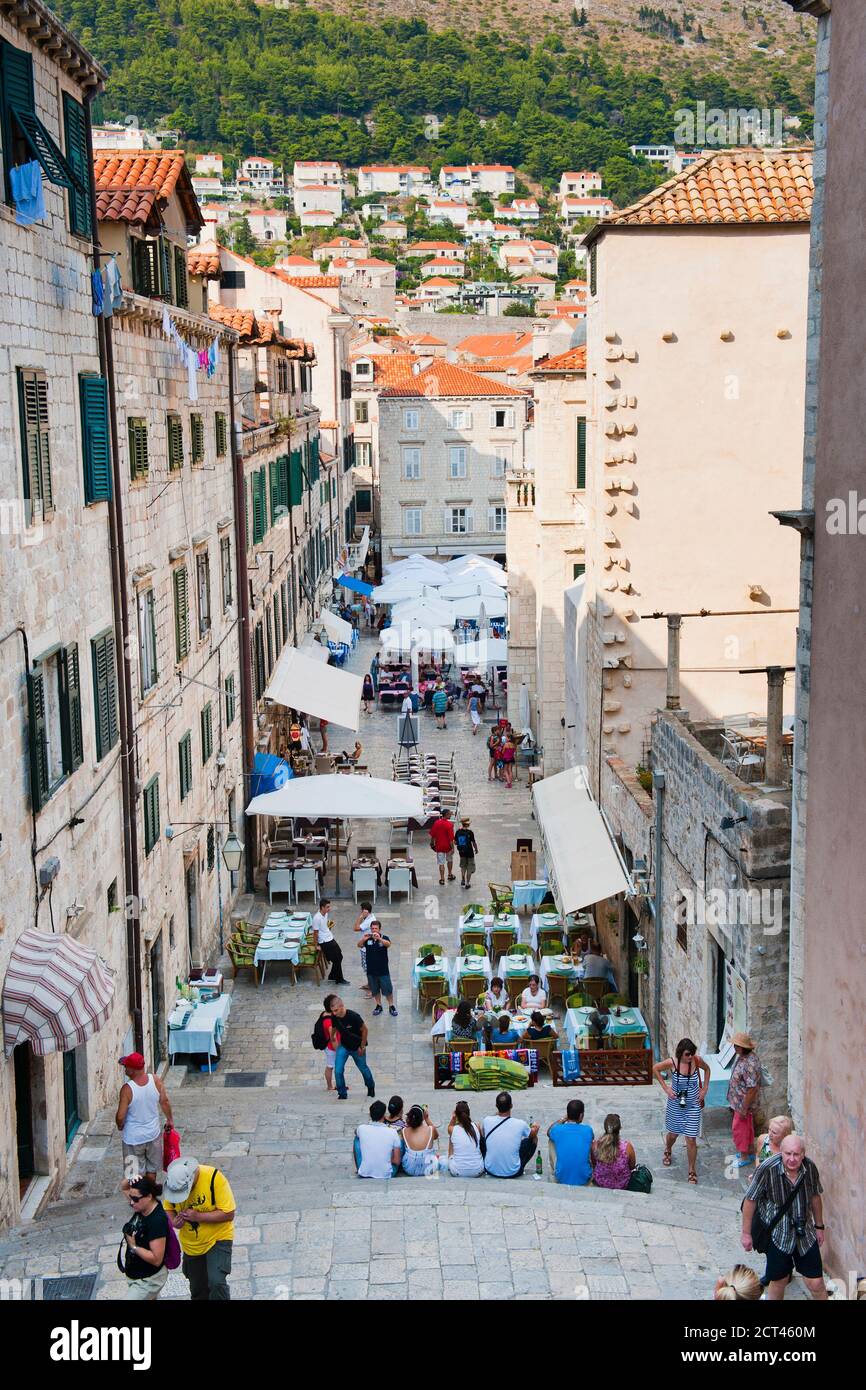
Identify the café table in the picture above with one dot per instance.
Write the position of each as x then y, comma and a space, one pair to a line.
629, 1021
203, 1029
529, 892
555, 965
516, 965
440, 971
397, 863
487, 923
470, 966
542, 919
282, 937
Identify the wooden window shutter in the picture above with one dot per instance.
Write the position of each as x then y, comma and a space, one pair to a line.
136, 430
174, 427
581, 453
211, 849
181, 613
75, 129
145, 267
151, 814
296, 482
260, 519
196, 439
163, 269
104, 693
273, 481
184, 760
220, 436
93, 393
35, 439
181, 288
593, 270
39, 788
230, 699
70, 722
206, 734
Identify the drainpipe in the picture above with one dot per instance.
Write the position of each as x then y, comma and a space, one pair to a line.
248, 711
774, 766
122, 645
658, 794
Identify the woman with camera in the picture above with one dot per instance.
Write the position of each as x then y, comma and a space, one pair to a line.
685, 1092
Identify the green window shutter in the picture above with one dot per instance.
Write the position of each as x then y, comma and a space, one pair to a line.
283, 481
581, 453
39, 788
247, 510
196, 445
75, 130
274, 489
70, 711
220, 436
181, 288
230, 699
35, 438
145, 267
206, 734
593, 270
181, 613
164, 268
104, 693
296, 482
184, 760
260, 518
174, 428
136, 430
151, 814
93, 392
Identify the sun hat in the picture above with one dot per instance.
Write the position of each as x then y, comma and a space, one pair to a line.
743, 1040
179, 1178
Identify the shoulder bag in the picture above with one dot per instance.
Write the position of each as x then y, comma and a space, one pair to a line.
762, 1230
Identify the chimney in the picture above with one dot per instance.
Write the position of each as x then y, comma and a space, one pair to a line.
675, 622
774, 766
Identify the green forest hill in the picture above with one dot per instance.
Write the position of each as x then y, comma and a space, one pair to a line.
296, 83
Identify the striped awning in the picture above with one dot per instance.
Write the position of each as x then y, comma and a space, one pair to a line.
56, 994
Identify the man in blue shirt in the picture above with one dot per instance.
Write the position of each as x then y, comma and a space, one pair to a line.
510, 1142
571, 1140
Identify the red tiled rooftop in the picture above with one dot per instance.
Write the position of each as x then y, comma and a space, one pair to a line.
444, 379
130, 184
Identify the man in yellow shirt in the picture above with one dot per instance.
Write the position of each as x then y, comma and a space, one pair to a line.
201, 1207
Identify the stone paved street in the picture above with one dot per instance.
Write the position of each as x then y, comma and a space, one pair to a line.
307, 1228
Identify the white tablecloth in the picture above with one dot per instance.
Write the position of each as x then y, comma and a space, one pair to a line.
458, 969
512, 921
631, 1020
430, 972
530, 891
545, 964
539, 919
203, 1030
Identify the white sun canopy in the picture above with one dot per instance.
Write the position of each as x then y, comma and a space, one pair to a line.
490, 651
300, 682
423, 611
469, 588
313, 649
337, 628
406, 637
471, 607
335, 795
584, 865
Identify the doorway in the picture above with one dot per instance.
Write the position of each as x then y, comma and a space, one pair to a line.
157, 1002
718, 994
24, 1117
71, 1114
191, 874
632, 927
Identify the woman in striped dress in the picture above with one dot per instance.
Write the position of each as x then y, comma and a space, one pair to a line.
685, 1092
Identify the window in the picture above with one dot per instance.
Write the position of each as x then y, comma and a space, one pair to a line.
146, 640
231, 700
150, 798
269, 635
202, 576
151, 274
35, 440
593, 270
220, 434
24, 137
364, 369
181, 613
578, 571
211, 850
364, 500
181, 288
196, 439
581, 454
136, 434
496, 518
460, 419
174, 428
226, 570
410, 421
412, 463
278, 637
282, 375
206, 733
54, 700
93, 396
260, 508
362, 412
184, 762
111, 901
104, 693
457, 460
681, 919
363, 452
458, 521
501, 461
233, 280
75, 134
501, 419
413, 521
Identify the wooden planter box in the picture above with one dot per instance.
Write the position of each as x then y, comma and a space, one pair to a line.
607, 1068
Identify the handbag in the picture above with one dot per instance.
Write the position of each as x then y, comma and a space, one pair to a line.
762, 1230
170, 1145
482, 1143
641, 1179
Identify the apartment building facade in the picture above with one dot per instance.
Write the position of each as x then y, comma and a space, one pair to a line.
407, 180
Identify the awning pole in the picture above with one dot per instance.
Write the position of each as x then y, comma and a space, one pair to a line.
337, 879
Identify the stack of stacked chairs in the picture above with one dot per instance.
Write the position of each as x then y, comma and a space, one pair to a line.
437, 778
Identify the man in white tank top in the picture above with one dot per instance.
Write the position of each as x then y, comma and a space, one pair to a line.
138, 1120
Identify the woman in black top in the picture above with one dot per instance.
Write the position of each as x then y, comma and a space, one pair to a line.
463, 1023
145, 1235
538, 1029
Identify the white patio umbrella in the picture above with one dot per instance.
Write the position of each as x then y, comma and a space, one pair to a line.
339, 797
424, 611
479, 607
466, 588
398, 590
414, 638
523, 708
405, 569
467, 573
490, 651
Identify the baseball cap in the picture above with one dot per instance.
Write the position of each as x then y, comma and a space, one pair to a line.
133, 1060
179, 1178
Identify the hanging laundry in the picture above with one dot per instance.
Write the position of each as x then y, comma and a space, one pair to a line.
203, 359
213, 357
96, 293
27, 193
113, 288
191, 368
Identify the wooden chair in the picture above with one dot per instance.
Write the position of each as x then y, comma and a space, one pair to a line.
501, 897
471, 986
548, 936
501, 941
550, 948
515, 985
472, 948
596, 989
544, 1047
442, 1006
470, 937
558, 987
429, 991
310, 959
242, 958
466, 1045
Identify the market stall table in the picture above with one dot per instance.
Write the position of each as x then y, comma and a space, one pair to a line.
202, 1030
627, 1021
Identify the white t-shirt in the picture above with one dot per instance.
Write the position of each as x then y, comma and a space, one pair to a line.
406, 707
320, 925
377, 1143
503, 1150
466, 1160
365, 924
533, 1001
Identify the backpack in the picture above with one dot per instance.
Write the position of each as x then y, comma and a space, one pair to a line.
319, 1037
463, 840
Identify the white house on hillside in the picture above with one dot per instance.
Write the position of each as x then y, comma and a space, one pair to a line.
579, 185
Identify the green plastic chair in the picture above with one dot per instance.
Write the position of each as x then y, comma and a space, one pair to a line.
551, 948
430, 948
474, 907
613, 1001
472, 948
519, 950
577, 1001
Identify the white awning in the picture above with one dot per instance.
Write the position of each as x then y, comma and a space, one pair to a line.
337, 628
584, 865
300, 682
313, 649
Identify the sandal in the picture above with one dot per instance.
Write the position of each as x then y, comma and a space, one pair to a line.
693, 1178
667, 1158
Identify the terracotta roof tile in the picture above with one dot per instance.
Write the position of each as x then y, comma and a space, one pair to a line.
521, 362
312, 282
444, 379
572, 360
495, 344
204, 260
260, 332
129, 184
729, 187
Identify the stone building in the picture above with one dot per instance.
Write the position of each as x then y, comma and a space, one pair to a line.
61, 862
544, 563
173, 427
695, 377
447, 438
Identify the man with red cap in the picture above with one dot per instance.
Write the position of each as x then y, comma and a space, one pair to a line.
137, 1118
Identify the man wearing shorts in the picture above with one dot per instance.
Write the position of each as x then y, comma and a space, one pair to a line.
467, 848
798, 1233
375, 947
442, 841
137, 1118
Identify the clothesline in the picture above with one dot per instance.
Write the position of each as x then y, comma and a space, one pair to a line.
195, 359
